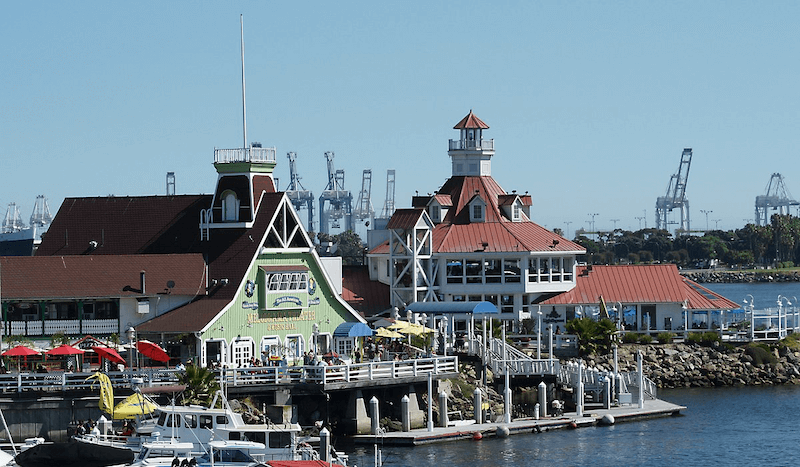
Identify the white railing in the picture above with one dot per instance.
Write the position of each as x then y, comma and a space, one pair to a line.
67, 326
516, 362
62, 381
225, 156
461, 144
352, 373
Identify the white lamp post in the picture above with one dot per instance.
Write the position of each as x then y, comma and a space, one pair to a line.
130, 333
539, 335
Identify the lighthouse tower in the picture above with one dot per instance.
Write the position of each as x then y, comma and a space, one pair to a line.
471, 155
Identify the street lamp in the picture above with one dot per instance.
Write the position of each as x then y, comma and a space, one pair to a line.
130, 333
706, 212
593, 216
539, 335
750, 304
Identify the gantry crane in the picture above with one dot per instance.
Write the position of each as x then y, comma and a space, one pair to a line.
41, 212
777, 198
380, 221
339, 201
364, 209
297, 194
676, 195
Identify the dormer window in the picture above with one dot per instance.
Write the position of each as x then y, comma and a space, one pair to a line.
477, 212
516, 212
435, 213
230, 207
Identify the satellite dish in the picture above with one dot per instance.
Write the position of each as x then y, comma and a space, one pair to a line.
170, 284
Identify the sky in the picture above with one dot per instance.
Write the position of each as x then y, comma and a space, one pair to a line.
589, 103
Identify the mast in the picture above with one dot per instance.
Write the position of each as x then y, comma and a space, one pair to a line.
244, 105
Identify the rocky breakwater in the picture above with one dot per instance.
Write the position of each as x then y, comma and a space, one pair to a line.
695, 365
745, 277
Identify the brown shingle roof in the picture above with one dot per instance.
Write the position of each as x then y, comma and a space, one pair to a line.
102, 276
126, 225
230, 253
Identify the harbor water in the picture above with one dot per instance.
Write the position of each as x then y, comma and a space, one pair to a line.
721, 426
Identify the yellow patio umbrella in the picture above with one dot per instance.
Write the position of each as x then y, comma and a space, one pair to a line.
399, 325
383, 332
416, 330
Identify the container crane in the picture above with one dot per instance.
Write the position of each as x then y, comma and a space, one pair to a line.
676, 195
777, 198
364, 210
297, 194
339, 201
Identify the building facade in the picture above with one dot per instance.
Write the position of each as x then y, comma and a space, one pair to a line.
472, 241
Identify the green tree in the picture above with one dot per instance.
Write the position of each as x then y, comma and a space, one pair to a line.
201, 385
593, 336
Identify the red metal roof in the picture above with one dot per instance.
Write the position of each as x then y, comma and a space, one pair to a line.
101, 276
470, 121
365, 296
654, 283
404, 219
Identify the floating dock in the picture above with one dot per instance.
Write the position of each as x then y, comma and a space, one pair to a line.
469, 430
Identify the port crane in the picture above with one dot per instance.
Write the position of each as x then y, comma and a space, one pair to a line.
777, 198
297, 194
335, 203
676, 195
364, 210
388, 205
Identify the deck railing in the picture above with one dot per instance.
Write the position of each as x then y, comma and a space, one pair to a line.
352, 373
63, 381
252, 154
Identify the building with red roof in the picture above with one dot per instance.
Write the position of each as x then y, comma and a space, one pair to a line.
219, 278
653, 297
473, 241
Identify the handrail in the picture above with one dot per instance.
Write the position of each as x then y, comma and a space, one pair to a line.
352, 373
63, 381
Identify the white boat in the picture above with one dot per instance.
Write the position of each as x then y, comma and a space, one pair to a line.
200, 426
177, 454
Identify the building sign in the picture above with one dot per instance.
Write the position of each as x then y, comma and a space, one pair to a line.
281, 320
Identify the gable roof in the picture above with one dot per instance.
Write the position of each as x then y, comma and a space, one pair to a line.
126, 225
230, 254
102, 276
652, 283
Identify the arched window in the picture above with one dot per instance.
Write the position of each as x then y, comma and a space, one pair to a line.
230, 207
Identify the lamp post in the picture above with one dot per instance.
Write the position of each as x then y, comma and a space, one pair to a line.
750, 304
785, 326
539, 335
130, 333
706, 212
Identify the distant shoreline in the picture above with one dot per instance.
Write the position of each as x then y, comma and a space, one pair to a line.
744, 277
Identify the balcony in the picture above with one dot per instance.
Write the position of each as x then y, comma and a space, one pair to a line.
34, 328
463, 144
252, 154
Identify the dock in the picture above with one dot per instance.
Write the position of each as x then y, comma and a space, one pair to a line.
465, 430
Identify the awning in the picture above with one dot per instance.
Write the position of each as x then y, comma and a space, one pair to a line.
449, 308
352, 330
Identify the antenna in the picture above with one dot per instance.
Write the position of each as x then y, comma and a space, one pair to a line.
244, 104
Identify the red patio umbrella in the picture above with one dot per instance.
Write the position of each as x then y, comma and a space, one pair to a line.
152, 351
20, 351
64, 350
109, 354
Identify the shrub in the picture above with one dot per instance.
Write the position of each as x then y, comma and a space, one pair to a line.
630, 338
665, 337
710, 337
760, 354
694, 338
645, 339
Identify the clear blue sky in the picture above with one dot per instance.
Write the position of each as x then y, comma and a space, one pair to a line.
590, 103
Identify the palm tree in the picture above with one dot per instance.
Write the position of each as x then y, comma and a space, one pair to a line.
201, 385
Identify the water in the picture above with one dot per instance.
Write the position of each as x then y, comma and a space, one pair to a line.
721, 426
